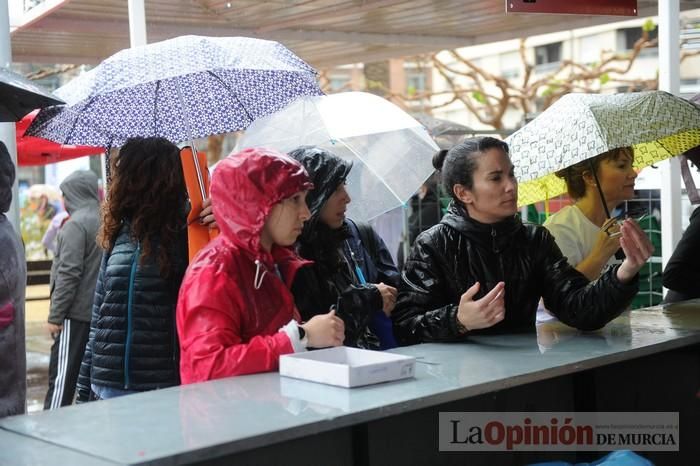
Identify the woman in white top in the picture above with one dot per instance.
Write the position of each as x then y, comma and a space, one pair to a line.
584, 232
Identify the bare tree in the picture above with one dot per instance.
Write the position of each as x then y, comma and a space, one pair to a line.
51, 71
489, 96
215, 145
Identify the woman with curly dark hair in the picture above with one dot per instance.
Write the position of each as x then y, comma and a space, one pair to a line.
133, 340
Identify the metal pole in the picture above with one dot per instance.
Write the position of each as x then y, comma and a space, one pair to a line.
137, 37
669, 80
137, 23
7, 130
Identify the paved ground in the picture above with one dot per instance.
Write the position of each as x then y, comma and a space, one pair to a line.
38, 348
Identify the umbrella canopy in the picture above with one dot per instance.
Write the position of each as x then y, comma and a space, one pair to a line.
183, 88
445, 132
656, 124
391, 152
439, 127
37, 151
19, 96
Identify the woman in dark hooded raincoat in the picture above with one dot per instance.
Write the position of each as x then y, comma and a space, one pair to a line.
13, 281
359, 279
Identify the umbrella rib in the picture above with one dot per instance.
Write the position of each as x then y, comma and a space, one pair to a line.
155, 109
235, 96
75, 121
198, 169
188, 127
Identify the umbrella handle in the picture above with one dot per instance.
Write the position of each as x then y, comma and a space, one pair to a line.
203, 186
600, 190
693, 193
197, 183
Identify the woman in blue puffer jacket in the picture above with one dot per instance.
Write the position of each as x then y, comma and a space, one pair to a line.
133, 343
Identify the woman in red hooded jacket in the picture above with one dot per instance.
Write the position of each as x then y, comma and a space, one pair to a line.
235, 312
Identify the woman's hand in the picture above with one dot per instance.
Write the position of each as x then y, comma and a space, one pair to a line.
637, 248
484, 312
606, 245
608, 240
388, 297
206, 216
325, 330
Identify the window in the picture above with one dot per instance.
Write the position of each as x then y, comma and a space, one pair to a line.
339, 83
690, 86
510, 63
550, 53
29, 4
626, 38
589, 49
415, 82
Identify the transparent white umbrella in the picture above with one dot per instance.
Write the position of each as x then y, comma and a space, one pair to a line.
391, 151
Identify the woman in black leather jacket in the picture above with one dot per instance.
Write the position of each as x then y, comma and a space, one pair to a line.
481, 270
133, 343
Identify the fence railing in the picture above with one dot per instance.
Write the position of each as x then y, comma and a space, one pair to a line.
38, 273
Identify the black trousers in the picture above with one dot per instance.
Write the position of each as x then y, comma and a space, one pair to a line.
66, 355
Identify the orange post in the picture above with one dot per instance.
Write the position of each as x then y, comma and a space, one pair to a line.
194, 168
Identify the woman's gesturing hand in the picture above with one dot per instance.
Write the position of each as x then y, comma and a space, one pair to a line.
637, 248
484, 312
608, 240
325, 330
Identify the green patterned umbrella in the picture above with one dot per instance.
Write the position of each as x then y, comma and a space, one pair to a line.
656, 124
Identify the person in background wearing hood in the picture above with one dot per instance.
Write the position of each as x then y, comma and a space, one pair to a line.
235, 312
425, 212
360, 284
482, 270
13, 283
583, 231
73, 278
133, 341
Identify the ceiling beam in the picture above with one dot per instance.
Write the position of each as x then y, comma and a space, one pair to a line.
162, 31
367, 57
326, 13
24, 57
318, 52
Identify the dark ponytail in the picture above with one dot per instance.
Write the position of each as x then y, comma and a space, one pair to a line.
457, 166
439, 159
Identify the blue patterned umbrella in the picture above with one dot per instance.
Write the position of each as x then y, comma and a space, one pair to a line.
179, 89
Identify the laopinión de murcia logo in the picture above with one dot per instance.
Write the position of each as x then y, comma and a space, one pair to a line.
552, 431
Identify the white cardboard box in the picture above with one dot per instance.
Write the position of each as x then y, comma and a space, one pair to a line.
347, 367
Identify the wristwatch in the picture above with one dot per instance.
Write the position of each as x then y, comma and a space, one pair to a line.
303, 338
461, 329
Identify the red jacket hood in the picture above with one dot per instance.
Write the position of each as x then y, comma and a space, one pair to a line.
245, 187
